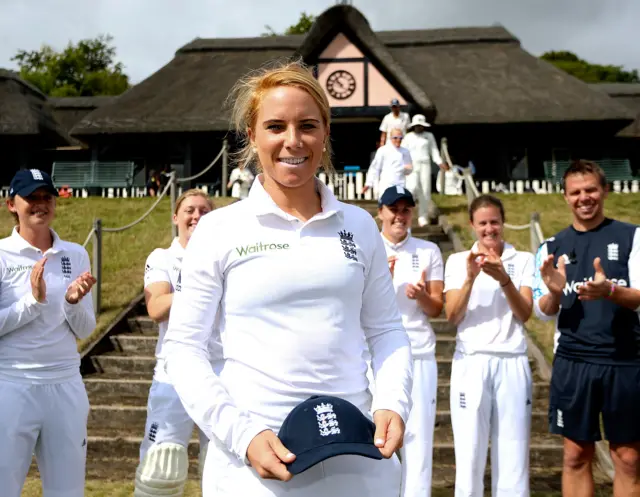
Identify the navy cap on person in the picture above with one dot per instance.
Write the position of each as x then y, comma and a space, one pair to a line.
27, 181
395, 103
394, 193
324, 426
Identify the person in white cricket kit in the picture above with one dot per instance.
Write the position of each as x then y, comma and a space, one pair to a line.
300, 281
423, 147
240, 181
164, 460
393, 120
390, 167
489, 297
45, 305
417, 270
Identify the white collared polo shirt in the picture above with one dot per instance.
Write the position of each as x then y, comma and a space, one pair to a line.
413, 257
387, 167
38, 340
297, 301
489, 325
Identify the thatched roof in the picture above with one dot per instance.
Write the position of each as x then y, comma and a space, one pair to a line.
465, 75
68, 111
24, 111
628, 94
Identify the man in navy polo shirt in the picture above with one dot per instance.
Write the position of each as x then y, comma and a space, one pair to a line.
588, 278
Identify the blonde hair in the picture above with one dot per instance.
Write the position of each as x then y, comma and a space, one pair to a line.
247, 95
193, 192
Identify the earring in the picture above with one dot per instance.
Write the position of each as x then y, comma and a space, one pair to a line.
324, 149
254, 150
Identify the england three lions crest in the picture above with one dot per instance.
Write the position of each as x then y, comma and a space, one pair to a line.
348, 245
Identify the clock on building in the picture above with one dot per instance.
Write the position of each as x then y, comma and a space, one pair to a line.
341, 84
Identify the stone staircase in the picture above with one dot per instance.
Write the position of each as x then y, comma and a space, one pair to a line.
118, 374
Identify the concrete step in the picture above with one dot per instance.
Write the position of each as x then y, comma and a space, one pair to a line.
544, 452
542, 479
143, 325
132, 366
115, 390
135, 343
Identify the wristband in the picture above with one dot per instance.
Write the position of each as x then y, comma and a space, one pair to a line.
508, 281
613, 289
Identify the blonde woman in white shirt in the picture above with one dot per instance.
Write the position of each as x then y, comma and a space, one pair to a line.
164, 461
45, 305
489, 298
418, 279
299, 281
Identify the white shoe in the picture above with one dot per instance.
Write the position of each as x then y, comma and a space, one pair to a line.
422, 221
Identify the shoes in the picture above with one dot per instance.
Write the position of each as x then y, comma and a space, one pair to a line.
422, 221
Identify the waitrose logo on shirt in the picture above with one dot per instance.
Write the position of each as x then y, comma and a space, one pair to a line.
261, 247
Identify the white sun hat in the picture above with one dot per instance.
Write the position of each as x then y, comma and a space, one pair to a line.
419, 120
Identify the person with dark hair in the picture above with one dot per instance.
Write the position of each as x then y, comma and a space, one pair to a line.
588, 280
489, 298
45, 305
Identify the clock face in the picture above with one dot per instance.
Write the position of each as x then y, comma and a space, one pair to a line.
341, 84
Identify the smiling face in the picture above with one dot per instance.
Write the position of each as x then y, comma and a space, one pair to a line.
289, 135
189, 213
35, 210
396, 220
585, 195
488, 225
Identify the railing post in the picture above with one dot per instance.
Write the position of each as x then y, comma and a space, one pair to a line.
533, 233
97, 265
173, 195
225, 166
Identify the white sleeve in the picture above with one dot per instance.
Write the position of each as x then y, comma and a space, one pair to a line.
386, 337
435, 270
81, 316
406, 156
434, 152
155, 269
374, 169
634, 262
186, 346
20, 313
539, 288
384, 125
455, 271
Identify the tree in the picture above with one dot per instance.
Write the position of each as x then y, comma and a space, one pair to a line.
83, 70
587, 72
301, 27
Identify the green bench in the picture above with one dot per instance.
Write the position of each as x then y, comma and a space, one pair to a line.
93, 174
614, 170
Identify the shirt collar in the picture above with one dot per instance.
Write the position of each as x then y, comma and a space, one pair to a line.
264, 205
508, 250
395, 246
176, 248
20, 244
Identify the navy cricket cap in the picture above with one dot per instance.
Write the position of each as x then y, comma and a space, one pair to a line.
395, 103
322, 427
27, 181
394, 193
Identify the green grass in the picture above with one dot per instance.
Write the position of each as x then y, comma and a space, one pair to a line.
123, 253
554, 216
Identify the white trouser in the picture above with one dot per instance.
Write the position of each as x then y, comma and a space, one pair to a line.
491, 398
417, 452
50, 420
167, 420
419, 183
340, 476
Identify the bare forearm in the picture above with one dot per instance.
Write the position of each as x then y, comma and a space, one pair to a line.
520, 306
159, 307
626, 297
432, 307
457, 309
549, 304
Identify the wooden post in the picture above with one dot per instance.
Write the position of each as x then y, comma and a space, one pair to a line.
97, 265
173, 191
225, 166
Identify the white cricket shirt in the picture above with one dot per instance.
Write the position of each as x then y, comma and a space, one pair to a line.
387, 167
413, 257
489, 325
38, 340
390, 122
423, 147
297, 302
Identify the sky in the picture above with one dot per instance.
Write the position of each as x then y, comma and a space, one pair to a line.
148, 32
